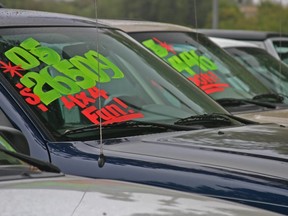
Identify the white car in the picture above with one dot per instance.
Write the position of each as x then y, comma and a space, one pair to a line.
263, 65
276, 43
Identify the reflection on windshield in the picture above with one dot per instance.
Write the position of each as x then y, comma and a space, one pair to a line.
7, 160
281, 48
267, 68
70, 81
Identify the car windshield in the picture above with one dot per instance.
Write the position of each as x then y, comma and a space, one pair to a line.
267, 68
204, 63
281, 47
70, 78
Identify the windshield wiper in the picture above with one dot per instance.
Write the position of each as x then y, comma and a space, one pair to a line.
234, 102
213, 120
41, 165
132, 124
270, 97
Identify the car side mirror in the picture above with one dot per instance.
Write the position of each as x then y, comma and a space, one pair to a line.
13, 140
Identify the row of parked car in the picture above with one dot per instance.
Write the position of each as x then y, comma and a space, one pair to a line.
260, 86
164, 107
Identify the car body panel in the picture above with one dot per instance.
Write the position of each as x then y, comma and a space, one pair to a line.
225, 43
266, 40
36, 18
189, 161
142, 26
263, 190
224, 147
37, 187
279, 116
62, 196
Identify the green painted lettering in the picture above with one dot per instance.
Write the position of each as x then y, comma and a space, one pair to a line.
157, 49
188, 58
179, 65
103, 65
207, 63
62, 84
45, 54
21, 57
83, 77
46, 95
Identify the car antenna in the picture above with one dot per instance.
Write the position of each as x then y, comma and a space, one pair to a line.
281, 17
197, 39
101, 159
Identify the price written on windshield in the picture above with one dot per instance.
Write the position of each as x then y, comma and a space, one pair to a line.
188, 63
44, 77
60, 76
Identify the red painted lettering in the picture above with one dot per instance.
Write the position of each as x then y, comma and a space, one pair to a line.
96, 93
117, 100
31, 98
124, 118
84, 98
115, 110
105, 114
76, 101
209, 82
89, 112
67, 103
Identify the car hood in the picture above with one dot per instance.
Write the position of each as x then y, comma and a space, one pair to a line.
81, 196
250, 148
275, 116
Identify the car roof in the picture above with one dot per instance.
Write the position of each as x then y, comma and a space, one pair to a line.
242, 34
133, 26
28, 18
225, 43
109, 197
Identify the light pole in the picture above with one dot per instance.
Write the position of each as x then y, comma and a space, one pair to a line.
215, 14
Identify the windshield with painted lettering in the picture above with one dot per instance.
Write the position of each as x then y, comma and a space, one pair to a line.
201, 61
72, 79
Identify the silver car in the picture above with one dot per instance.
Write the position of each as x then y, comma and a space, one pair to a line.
276, 43
263, 65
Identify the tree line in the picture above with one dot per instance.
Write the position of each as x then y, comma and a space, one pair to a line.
269, 16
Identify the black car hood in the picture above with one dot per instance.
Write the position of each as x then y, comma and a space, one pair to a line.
254, 148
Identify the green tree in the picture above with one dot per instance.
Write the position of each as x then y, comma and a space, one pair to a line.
185, 12
229, 15
272, 17
193, 13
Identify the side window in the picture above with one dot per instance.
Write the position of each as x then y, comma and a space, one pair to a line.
4, 121
13, 140
5, 144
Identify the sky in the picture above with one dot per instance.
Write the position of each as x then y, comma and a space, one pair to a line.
283, 2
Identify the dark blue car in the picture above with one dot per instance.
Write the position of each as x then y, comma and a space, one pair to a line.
92, 101
39, 188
